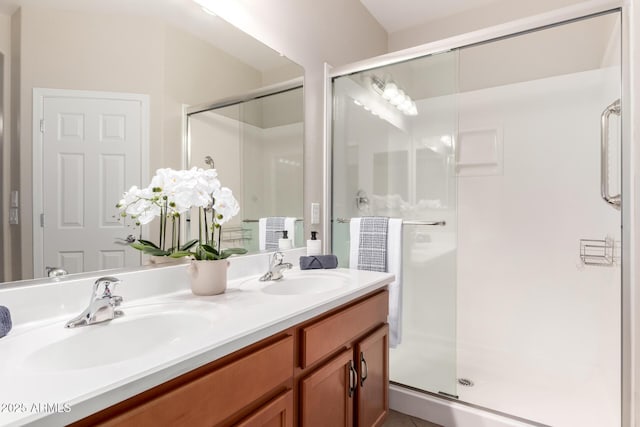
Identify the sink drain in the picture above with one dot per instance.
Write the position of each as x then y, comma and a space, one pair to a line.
466, 382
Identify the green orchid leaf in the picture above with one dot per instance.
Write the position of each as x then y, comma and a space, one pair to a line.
181, 254
226, 253
155, 252
138, 246
142, 247
188, 245
148, 243
210, 249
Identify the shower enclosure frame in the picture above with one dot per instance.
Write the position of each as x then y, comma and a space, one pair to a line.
629, 308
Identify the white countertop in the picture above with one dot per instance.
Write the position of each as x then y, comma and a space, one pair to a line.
33, 393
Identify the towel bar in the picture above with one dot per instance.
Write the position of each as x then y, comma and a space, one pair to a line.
404, 222
257, 220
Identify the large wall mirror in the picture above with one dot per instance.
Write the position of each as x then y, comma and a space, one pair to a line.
94, 102
262, 132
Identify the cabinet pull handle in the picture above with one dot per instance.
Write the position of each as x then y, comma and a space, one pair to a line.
364, 369
353, 379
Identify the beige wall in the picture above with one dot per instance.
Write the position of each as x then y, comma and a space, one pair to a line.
102, 52
495, 13
281, 74
196, 73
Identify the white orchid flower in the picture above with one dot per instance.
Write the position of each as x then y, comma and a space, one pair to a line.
226, 206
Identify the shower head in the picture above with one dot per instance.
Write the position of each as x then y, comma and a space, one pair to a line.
209, 161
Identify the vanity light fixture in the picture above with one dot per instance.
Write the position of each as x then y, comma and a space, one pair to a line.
395, 96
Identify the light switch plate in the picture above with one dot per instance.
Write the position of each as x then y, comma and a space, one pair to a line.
14, 214
15, 199
315, 213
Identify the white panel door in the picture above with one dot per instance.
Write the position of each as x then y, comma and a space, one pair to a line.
92, 149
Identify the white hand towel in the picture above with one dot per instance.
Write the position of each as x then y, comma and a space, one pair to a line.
290, 226
262, 233
394, 265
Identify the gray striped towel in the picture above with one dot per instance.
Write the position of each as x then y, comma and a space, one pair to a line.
274, 227
372, 250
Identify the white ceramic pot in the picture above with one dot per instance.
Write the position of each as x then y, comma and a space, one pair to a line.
208, 277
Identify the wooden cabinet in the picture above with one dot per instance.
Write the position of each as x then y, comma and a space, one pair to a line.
220, 393
327, 394
372, 356
350, 388
329, 371
277, 413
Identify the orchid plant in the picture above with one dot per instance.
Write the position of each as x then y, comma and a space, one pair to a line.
169, 196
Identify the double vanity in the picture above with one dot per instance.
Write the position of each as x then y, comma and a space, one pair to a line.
309, 349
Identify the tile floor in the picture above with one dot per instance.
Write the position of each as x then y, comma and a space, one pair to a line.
397, 419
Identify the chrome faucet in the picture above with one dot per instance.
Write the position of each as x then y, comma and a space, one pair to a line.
56, 272
275, 267
102, 307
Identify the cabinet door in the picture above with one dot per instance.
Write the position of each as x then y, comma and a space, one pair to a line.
328, 394
277, 413
372, 360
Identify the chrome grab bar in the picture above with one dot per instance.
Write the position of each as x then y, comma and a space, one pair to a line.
615, 200
404, 222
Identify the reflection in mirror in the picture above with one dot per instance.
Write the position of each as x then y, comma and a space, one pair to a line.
255, 143
83, 52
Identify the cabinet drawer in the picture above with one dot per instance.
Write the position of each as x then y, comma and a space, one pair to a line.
277, 413
214, 397
325, 336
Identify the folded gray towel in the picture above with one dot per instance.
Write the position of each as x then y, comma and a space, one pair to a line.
5, 321
318, 261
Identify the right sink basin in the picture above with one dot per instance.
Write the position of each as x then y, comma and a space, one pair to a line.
300, 282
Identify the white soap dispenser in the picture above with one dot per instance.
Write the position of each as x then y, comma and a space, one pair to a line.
285, 241
314, 246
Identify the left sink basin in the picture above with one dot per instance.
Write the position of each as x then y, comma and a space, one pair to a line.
136, 334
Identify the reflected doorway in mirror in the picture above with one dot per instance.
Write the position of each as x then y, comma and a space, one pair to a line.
88, 147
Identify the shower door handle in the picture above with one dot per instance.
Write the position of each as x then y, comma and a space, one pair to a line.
613, 200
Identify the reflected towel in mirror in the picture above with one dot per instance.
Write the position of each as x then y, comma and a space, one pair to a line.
270, 230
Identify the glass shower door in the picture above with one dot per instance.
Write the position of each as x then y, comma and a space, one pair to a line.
514, 304
394, 138
538, 267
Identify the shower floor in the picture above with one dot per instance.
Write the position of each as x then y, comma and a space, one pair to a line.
424, 363
503, 385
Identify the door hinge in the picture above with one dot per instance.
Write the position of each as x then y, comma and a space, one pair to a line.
41, 220
42, 125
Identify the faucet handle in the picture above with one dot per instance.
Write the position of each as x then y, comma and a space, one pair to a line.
106, 292
277, 258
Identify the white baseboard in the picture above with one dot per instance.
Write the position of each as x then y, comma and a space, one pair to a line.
445, 412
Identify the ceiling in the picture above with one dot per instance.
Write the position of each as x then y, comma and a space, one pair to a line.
183, 14
398, 15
